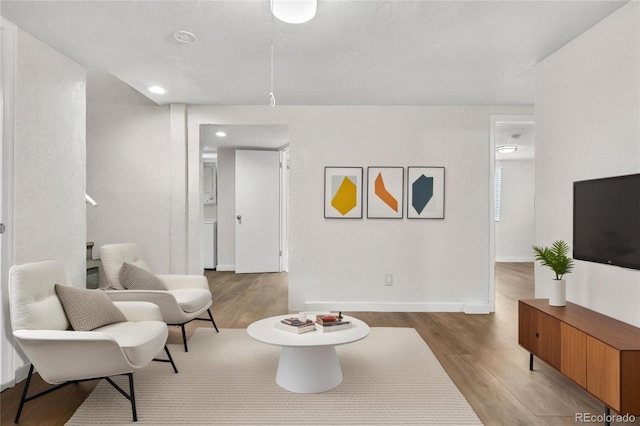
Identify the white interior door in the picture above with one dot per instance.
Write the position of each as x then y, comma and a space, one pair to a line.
257, 211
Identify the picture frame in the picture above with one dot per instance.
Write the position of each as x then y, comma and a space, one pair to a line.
385, 192
343, 192
425, 192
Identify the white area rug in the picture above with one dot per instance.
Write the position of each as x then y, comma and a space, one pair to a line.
227, 378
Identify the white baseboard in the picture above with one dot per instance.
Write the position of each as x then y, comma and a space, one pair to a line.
225, 267
21, 373
7, 385
514, 259
477, 308
469, 308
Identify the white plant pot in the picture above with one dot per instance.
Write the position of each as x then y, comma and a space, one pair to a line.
558, 293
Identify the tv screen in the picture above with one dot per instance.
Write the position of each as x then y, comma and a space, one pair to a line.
606, 220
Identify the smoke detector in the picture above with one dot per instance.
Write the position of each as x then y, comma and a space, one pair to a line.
184, 37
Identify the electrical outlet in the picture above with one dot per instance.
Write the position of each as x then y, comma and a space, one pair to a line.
388, 279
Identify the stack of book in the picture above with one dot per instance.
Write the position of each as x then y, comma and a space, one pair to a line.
294, 325
327, 323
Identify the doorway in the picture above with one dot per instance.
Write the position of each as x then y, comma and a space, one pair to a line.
224, 142
512, 194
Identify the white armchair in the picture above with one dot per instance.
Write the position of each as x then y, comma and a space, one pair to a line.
183, 300
62, 355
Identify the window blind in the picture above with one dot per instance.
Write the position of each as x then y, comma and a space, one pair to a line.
498, 195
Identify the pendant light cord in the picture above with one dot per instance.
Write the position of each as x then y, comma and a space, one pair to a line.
272, 98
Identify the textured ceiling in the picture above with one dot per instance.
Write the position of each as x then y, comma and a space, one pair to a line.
351, 53
361, 52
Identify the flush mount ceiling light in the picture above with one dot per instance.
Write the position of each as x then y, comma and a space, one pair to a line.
506, 149
184, 37
221, 134
209, 155
157, 90
294, 11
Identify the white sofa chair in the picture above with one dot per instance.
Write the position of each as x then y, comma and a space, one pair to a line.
40, 321
183, 299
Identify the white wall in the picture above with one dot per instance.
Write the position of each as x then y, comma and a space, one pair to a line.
8, 45
437, 264
50, 158
226, 249
49, 213
514, 231
129, 173
588, 126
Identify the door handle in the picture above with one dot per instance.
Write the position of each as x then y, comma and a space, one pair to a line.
239, 217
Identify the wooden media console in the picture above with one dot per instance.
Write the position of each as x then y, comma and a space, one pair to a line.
599, 353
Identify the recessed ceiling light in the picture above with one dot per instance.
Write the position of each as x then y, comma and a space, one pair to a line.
157, 90
184, 37
220, 134
506, 149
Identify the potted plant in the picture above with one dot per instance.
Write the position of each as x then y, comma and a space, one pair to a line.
557, 259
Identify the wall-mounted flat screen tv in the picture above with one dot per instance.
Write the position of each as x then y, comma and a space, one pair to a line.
606, 220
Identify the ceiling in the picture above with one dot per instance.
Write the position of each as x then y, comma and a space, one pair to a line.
361, 52
390, 52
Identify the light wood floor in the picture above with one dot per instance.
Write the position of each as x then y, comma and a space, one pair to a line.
479, 352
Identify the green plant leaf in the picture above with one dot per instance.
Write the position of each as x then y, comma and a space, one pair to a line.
555, 258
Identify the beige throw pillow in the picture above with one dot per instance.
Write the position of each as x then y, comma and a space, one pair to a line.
88, 309
135, 278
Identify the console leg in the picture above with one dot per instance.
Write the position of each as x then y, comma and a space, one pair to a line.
607, 416
531, 361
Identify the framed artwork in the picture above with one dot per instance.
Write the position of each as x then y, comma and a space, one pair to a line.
425, 192
343, 192
385, 192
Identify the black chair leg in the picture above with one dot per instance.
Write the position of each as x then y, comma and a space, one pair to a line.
212, 321
184, 338
175, 369
133, 398
184, 333
24, 394
169, 359
25, 398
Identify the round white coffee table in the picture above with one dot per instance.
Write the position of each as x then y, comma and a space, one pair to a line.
308, 361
